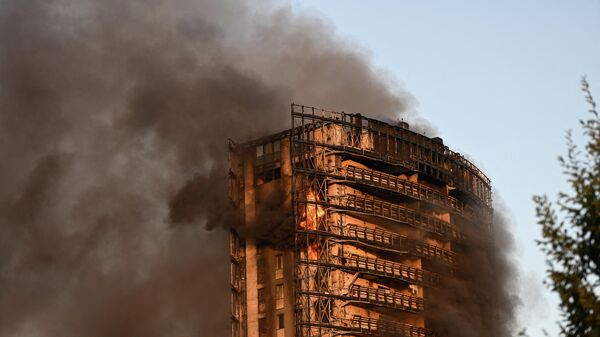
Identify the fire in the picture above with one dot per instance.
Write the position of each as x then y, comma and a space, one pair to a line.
311, 218
312, 213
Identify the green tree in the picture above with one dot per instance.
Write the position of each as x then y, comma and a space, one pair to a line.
571, 231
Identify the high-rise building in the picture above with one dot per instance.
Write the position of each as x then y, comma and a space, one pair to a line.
347, 223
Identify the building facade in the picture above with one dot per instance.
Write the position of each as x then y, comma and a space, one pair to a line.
347, 223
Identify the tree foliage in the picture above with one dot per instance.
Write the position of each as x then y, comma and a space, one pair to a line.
571, 231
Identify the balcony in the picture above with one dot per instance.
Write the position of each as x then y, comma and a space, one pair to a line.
387, 239
368, 137
378, 268
385, 298
382, 327
389, 269
364, 326
388, 210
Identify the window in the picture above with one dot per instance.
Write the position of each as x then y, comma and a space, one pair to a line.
260, 266
235, 189
233, 244
279, 296
261, 300
278, 266
235, 305
267, 166
280, 322
268, 148
262, 327
235, 275
298, 149
235, 328
279, 262
264, 175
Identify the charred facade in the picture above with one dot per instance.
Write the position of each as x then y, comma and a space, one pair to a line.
348, 225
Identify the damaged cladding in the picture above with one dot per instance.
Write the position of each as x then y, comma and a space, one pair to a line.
350, 226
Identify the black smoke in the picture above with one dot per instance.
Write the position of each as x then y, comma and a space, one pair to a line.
114, 117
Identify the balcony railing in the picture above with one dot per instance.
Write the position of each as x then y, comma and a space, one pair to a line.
376, 207
382, 327
355, 133
365, 326
387, 239
385, 298
389, 269
378, 268
402, 186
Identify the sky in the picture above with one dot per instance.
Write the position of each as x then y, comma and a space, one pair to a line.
500, 82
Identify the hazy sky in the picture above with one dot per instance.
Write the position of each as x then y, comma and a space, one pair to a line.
500, 81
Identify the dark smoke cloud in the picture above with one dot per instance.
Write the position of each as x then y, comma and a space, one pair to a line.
113, 121
480, 299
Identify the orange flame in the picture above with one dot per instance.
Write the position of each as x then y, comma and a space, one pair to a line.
311, 217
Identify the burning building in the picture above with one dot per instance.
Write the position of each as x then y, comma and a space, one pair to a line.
350, 226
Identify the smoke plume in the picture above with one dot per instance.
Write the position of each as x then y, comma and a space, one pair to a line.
480, 298
114, 117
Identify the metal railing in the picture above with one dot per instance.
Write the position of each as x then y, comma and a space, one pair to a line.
379, 268
364, 326
402, 186
382, 327
389, 269
387, 239
386, 298
359, 133
405, 187
380, 208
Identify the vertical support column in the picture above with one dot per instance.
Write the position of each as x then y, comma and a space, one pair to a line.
289, 267
301, 268
251, 263
286, 171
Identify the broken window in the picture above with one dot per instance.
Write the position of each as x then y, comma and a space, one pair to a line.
268, 162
